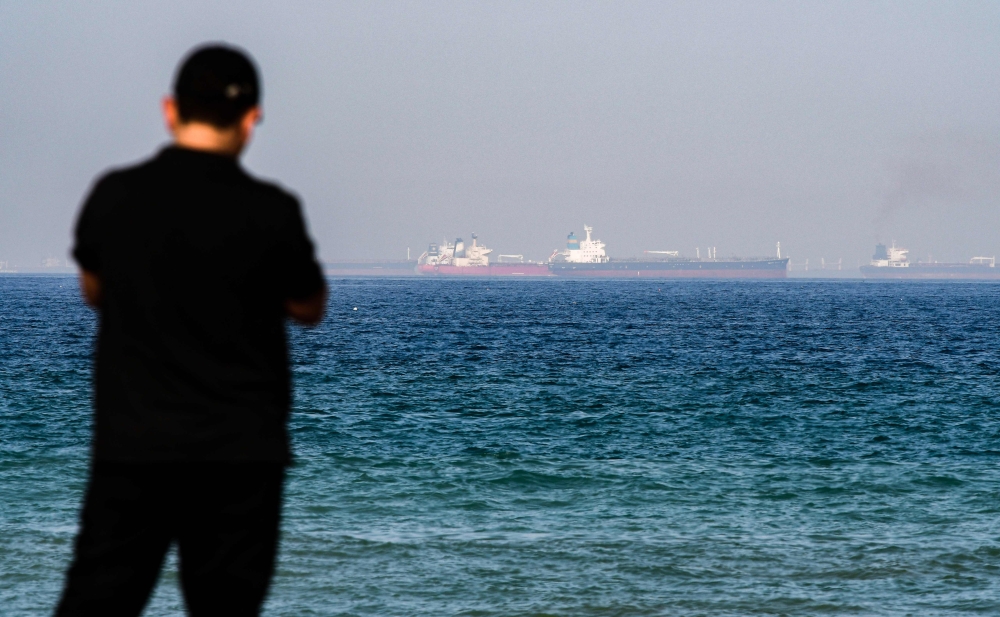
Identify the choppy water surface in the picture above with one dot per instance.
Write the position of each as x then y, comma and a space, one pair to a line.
582, 448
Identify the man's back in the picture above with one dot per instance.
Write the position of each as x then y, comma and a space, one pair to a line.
193, 267
196, 260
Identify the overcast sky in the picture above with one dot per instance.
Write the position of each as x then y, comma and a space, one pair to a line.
664, 125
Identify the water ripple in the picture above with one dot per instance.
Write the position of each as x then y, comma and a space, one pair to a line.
582, 448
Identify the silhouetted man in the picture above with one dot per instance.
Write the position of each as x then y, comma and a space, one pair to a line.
193, 266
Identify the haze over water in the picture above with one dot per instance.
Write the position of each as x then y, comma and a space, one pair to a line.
826, 126
581, 448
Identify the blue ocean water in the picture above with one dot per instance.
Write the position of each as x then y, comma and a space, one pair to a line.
488, 448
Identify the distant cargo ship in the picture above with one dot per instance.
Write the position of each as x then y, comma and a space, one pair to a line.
384, 267
457, 259
894, 263
587, 257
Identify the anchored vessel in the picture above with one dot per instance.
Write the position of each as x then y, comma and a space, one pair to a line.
893, 262
457, 259
587, 257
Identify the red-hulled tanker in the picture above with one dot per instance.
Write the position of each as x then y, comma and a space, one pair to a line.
456, 259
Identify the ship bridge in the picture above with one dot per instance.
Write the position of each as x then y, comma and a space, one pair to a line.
586, 251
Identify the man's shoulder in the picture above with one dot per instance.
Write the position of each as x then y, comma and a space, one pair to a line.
272, 194
113, 185
271, 189
139, 177
117, 178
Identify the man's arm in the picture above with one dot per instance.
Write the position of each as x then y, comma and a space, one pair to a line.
308, 311
90, 285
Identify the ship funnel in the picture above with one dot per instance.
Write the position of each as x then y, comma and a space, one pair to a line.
459, 248
880, 252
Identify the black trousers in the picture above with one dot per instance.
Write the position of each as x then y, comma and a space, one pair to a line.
224, 518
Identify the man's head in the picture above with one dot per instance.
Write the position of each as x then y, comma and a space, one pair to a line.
216, 100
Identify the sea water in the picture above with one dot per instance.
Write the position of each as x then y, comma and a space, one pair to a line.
582, 448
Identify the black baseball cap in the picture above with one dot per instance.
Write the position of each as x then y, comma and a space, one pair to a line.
217, 84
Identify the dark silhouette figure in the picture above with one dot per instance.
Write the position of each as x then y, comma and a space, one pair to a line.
193, 266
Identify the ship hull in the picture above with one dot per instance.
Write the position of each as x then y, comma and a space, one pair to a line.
933, 272
756, 269
516, 270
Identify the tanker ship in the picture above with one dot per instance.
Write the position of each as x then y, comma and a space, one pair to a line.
587, 257
894, 263
457, 259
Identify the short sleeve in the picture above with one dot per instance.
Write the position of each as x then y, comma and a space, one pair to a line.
302, 274
91, 224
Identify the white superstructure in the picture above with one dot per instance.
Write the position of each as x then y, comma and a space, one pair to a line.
890, 257
456, 254
586, 251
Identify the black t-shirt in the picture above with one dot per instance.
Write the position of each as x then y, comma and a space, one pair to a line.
196, 260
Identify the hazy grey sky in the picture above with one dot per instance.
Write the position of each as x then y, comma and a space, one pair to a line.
665, 125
